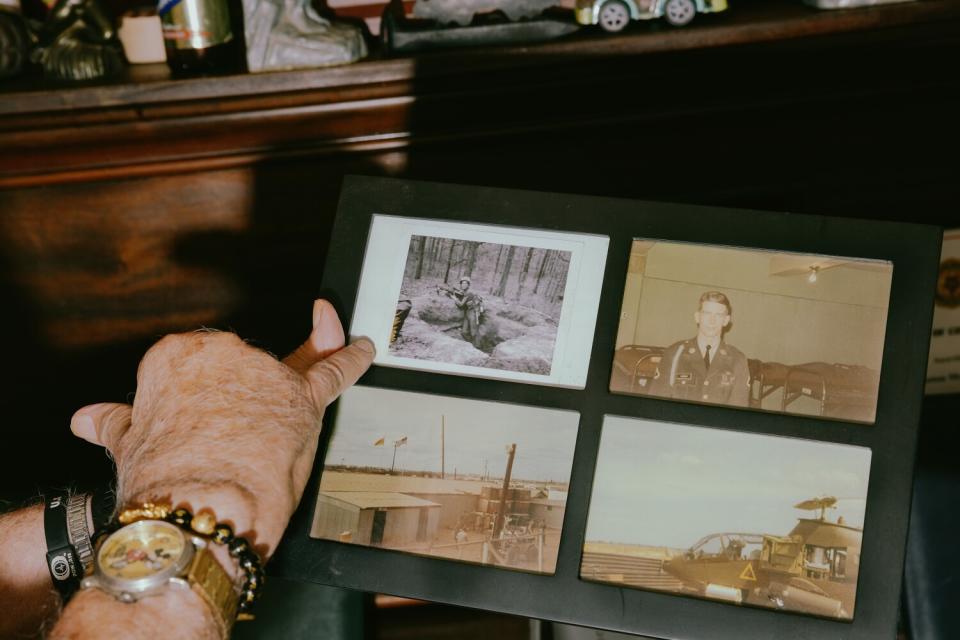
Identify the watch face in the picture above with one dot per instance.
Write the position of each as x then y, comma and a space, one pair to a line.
143, 550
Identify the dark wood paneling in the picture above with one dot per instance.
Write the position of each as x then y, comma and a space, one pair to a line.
91, 274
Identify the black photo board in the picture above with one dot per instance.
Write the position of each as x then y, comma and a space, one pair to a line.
795, 582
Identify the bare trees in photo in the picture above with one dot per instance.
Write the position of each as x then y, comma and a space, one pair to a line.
502, 287
524, 271
530, 276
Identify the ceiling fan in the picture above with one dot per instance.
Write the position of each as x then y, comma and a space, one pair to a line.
812, 266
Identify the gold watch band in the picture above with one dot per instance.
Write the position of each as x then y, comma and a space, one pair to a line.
205, 574
212, 583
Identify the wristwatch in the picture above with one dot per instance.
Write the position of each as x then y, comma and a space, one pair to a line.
149, 556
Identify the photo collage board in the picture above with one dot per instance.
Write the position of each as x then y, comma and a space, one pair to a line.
667, 420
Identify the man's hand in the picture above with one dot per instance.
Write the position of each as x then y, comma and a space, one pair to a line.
217, 424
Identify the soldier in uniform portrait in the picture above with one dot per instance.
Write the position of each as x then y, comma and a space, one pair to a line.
705, 368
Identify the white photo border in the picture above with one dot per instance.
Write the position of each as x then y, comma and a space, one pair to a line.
382, 276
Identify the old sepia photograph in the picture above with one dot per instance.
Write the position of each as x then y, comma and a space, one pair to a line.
480, 303
466, 480
767, 330
734, 517
481, 300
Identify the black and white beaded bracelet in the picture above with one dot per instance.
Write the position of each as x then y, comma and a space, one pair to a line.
204, 524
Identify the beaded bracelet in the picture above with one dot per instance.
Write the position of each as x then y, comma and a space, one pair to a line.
204, 524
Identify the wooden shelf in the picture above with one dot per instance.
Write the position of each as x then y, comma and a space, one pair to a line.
747, 22
148, 124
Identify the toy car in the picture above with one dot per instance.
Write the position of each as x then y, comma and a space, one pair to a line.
614, 15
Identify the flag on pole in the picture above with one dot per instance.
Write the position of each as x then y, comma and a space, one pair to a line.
378, 443
401, 441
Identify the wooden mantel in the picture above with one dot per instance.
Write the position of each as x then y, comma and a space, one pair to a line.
148, 124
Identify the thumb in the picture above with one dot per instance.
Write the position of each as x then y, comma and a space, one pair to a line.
103, 424
325, 338
331, 377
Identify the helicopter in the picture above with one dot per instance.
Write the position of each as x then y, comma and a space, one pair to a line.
813, 569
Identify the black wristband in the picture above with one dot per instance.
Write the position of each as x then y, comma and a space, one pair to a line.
62, 560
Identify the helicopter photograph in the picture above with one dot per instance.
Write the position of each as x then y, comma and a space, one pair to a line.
740, 518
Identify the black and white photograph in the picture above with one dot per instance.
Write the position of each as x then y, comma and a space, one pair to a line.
742, 518
481, 300
471, 481
758, 329
480, 304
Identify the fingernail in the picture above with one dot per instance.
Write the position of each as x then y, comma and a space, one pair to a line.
320, 307
366, 344
82, 426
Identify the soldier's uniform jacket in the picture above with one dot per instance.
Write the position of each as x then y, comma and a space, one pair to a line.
468, 299
682, 374
471, 304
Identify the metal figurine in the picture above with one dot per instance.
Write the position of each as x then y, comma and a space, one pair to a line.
14, 39
290, 34
78, 41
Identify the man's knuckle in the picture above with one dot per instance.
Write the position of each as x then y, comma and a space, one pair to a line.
338, 375
321, 383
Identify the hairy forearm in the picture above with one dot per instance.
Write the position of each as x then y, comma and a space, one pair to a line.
175, 613
27, 597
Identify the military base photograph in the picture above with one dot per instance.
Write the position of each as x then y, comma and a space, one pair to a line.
481, 300
471, 481
742, 518
767, 330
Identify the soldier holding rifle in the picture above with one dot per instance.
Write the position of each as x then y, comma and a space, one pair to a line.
472, 307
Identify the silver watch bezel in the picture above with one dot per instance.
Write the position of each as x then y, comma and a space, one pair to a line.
132, 590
